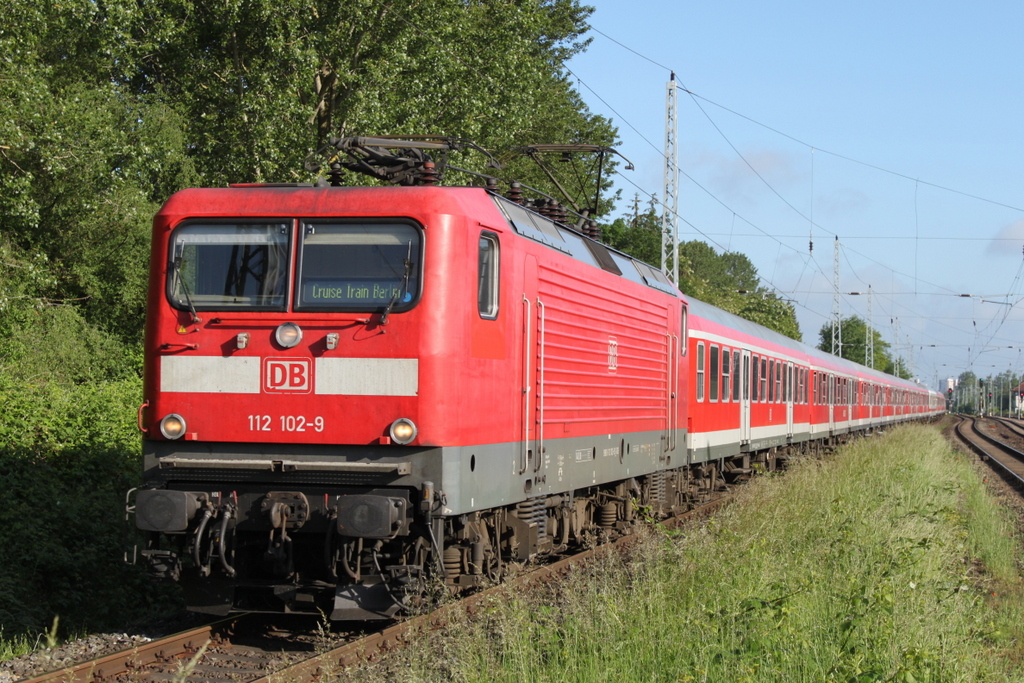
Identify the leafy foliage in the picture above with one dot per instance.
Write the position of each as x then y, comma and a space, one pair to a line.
855, 339
108, 108
262, 83
67, 458
728, 280
639, 236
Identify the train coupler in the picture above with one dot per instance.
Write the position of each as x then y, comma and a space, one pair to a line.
163, 565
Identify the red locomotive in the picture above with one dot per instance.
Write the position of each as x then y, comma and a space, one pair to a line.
350, 388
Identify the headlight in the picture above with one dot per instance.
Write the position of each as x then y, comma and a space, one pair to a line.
172, 426
288, 335
403, 431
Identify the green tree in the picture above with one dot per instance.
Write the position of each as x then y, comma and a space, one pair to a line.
83, 166
261, 83
728, 280
997, 394
639, 235
854, 346
704, 266
106, 108
966, 393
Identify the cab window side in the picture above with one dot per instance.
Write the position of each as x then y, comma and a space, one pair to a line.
488, 275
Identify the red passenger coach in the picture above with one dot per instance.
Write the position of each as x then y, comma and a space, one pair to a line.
348, 390
760, 393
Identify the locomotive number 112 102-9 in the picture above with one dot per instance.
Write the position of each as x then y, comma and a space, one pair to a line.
285, 423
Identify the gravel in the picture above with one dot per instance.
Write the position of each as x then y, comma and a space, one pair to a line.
93, 646
90, 647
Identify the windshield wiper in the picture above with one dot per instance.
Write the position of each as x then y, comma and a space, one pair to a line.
184, 288
402, 287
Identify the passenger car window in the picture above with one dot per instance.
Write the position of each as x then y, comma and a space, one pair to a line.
700, 371
763, 393
713, 369
755, 381
725, 374
735, 375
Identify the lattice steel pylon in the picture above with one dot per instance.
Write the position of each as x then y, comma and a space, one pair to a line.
670, 203
869, 337
837, 323
896, 345
910, 361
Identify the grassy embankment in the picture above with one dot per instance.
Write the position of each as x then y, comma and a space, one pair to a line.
890, 562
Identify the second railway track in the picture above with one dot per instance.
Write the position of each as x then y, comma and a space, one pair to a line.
982, 439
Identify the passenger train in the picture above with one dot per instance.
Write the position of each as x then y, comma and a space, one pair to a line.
349, 390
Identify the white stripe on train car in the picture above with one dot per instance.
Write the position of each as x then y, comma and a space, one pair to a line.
210, 374
367, 376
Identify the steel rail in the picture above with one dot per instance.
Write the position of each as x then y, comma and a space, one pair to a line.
1017, 474
139, 656
1012, 424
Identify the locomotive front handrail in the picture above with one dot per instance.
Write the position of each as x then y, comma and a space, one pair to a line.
401, 468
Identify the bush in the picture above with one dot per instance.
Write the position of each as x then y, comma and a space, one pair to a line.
68, 454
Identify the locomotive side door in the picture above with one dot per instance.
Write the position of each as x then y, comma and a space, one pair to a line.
745, 399
531, 408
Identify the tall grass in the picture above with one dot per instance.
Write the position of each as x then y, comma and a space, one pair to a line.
889, 562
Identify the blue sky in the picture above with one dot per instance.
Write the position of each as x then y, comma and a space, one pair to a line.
928, 97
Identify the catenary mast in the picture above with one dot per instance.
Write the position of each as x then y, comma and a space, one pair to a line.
670, 205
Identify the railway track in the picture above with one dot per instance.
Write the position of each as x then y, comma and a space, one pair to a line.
251, 649
1004, 458
1010, 423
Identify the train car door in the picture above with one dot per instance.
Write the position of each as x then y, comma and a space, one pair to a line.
745, 400
831, 404
788, 395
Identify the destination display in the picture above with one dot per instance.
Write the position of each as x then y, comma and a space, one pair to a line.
353, 292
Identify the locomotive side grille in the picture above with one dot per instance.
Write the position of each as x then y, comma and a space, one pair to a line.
584, 381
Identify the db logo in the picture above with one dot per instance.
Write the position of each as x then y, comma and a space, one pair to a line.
287, 374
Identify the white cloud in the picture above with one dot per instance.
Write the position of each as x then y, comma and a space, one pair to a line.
733, 180
1008, 240
842, 203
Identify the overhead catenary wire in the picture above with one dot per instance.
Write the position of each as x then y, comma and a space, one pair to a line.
915, 279
807, 260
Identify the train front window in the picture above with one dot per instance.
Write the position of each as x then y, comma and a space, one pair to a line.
359, 267
228, 266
